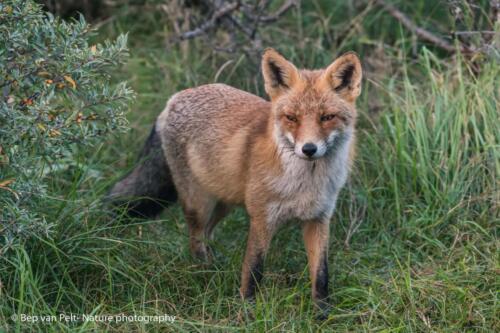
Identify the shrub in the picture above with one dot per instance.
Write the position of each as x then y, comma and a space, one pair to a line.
56, 96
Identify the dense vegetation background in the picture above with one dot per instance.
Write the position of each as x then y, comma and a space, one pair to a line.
414, 242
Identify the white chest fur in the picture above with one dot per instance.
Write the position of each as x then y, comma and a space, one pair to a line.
309, 189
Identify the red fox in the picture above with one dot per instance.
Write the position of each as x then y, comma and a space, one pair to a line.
215, 146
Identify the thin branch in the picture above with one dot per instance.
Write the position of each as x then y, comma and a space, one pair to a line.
221, 12
239, 25
227, 15
276, 15
420, 32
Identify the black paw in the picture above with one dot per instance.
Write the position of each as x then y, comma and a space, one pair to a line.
322, 315
323, 309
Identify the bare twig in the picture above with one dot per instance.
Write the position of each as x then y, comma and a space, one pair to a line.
221, 12
239, 25
236, 18
420, 32
275, 16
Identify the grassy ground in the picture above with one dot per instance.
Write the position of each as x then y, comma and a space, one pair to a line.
414, 243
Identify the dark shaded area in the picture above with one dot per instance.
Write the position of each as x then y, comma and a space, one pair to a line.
91, 9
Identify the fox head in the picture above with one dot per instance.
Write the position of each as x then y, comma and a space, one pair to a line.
312, 110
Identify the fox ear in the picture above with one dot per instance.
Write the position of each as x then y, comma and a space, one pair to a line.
344, 76
279, 74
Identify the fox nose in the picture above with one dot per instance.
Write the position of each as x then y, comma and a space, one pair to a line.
309, 149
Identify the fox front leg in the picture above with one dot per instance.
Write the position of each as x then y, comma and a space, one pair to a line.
259, 239
316, 235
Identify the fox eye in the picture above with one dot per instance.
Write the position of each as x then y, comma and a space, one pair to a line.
291, 118
327, 117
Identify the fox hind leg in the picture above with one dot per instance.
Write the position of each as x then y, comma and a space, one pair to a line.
220, 211
202, 212
197, 214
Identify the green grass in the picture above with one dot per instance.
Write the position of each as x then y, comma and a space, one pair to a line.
420, 211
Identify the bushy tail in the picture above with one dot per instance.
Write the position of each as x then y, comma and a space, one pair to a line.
149, 187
